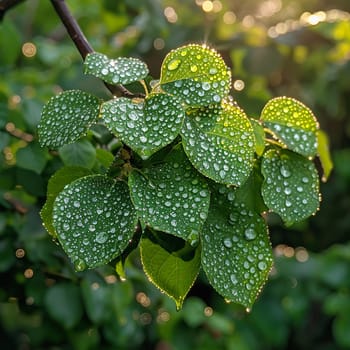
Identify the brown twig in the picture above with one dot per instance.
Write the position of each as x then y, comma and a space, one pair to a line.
82, 43
5, 5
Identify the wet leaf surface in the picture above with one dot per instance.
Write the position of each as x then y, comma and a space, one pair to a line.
291, 185
236, 251
144, 126
196, 74
122, 70
94, 220
293, 123
171, 197
220, 142
55, 185
67, 117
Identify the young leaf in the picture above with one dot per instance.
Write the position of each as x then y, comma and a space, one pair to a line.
324, 154
94, 220
259, 136
170, 263
293, 124
171, 197
61, 178
291, 186
122, 70
236, 251
196, 74
67, 117
220, 142
145, 127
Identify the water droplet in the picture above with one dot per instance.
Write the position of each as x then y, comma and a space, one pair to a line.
101, 237
288, 203
249, 234
287, 191
285, 172
79, 265
305, 180
233, 279
227, 242
262, 265
194, 68
206, 86
174, 64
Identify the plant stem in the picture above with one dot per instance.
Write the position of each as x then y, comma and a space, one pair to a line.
82, 43
5, 5
72, 27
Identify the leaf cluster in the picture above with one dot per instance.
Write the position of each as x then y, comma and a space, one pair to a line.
187, 175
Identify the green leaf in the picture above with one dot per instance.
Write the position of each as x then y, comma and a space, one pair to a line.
196, 74
220, 142
55, 185
80, 153
94, 220
146, 126
171, 196
324, 154
104, 159
293, 123
259, 136
10, 38
122, 70
67, 117
32, 157
170, 263
63, 304
236, 251
291, 186
97, 301
250, 192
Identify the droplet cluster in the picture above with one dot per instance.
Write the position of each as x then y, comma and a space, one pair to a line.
144, 126
122, 70
291, 186
67, 117
171, 197
196, 74
220, 142
293, 124
236, 252
94, 220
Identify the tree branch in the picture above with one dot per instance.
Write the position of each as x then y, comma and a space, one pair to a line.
82, 44
5, 5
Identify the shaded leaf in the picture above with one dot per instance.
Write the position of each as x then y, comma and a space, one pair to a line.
32, 157
67, 117
63, 304
61, 178
236, 251
122, 70
291, 186
171, 196
220, 142
94, 220
293, 123
80, 153
196, 74
144, 126
249, 193
324, 154
170, 263
259, 136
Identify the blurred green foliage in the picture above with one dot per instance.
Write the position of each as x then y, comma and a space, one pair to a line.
297, 48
